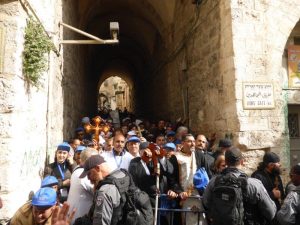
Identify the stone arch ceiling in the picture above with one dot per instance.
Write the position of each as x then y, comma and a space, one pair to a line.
141, 19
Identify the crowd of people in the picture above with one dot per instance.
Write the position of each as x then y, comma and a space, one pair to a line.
189, 172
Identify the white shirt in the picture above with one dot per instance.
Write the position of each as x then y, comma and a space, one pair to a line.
117, 161
80, 195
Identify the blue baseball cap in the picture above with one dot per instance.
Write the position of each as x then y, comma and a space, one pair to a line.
44, 197
85, 120
64, 147
79, 129
49, 181
177, 142
170, 146
80, 148
133, 139
171, 134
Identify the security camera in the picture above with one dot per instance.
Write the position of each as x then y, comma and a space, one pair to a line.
114, 30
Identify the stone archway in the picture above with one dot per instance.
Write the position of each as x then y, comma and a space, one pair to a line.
114, 93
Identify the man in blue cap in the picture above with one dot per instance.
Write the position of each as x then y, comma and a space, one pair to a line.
133, 146
50, 181
170, 136
38, 211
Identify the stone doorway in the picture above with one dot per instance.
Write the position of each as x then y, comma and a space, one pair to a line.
114, 93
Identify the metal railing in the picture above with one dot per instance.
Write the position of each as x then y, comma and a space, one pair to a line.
170, 213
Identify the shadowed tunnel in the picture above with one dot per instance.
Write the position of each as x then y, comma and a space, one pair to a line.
135, 58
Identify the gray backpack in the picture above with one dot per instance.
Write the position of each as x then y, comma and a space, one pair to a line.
227, 200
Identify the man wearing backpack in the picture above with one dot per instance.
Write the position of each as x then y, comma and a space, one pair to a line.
289, 212
114, 195
234, 199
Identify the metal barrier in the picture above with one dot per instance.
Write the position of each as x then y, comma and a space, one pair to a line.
170, 212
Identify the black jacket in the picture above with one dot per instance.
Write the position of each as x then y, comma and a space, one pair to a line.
269, 182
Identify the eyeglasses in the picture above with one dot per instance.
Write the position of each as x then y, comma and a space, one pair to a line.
202, 141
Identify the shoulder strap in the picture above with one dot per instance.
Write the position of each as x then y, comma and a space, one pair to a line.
122, 184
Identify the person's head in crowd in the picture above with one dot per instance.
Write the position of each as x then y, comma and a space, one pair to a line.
201, 142
147, 124
170, 149
295, 175
78, 151
131, 133
43, 203
233, 157
160, 140
271, 162
79, 133
124, 129
188, 143
96, 169
152, 126
150, 137
126, 121
87, 153
119, 143
90, 143
108, 144
62, 152
219, 164
133, 146
142, 126
85, 121
225, 144
169, 126
132, 127
161, 125
181, 131
50, 181
118, 131
170, 136
74, 143
178, 144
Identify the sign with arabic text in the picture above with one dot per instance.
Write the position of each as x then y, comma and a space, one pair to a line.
258, 95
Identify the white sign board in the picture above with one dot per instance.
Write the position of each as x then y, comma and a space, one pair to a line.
258, 95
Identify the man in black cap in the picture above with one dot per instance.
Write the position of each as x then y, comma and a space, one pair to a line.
224, 145
107, 197
257, 205
111, 195
268, 172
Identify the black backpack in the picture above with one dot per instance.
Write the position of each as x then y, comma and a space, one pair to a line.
227, 199
135, 207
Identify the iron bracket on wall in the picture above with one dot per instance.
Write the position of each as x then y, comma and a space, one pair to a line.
114, 31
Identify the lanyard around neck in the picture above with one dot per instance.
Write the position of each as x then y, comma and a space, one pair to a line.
118, 164
61, 172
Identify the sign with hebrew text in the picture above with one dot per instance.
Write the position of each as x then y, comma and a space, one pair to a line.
257, 95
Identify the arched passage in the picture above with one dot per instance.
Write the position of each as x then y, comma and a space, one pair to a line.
116, 90
142, 47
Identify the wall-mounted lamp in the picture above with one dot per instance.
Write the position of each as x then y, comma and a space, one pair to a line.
114, 30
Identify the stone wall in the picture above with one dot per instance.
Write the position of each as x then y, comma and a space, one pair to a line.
28, 128
196, 85
261, 30
75, 82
